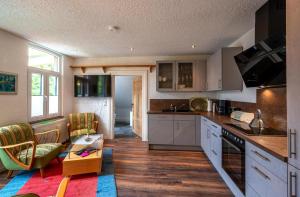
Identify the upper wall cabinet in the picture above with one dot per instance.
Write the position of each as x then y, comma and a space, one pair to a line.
181, 76
165, 76
222, 72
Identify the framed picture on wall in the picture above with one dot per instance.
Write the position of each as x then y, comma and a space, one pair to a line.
8, 83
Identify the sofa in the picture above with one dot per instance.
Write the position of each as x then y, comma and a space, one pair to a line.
21, 149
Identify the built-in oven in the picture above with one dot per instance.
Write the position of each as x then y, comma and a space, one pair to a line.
233, 158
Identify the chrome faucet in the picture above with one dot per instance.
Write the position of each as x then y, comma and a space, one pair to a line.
257, 122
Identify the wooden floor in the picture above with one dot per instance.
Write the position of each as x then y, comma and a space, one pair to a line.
143, 172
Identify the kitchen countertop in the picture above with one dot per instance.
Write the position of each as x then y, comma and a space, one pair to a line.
276, 146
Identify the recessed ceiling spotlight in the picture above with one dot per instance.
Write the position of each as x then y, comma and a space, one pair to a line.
131, 49
113, 28
193, 46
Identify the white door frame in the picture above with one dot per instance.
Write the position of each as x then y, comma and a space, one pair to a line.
132, 72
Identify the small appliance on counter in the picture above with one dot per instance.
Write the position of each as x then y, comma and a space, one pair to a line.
223, 107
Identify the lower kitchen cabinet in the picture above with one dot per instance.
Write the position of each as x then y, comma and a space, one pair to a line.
160, 129
261, 176
211, 142
184, 132
293, 181
172, 130
216, 146
205, 136
251, 192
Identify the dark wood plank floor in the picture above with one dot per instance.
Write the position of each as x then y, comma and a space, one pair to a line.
143, 172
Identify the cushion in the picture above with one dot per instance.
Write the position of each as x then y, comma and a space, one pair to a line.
81, 121
15, 134
82, 132
43, 154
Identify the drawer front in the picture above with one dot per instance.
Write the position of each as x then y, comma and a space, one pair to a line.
184, 117
251, 192
160, 117
216, 150
215, 126
274, 165
263, 181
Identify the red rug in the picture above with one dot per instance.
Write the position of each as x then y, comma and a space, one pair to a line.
79, 185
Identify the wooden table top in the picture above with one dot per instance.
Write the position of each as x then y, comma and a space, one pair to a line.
76, 147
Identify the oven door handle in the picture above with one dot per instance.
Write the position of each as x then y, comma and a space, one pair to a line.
234, 146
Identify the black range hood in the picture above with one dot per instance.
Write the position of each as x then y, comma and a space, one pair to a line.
264, 64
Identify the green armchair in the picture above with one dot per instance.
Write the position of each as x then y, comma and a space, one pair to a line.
81, 124
21, 149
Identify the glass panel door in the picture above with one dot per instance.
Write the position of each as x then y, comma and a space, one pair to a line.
53, 94
184, 75
37, 95
165, 76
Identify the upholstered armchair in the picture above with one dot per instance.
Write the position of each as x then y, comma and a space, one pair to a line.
81, 124
21, 149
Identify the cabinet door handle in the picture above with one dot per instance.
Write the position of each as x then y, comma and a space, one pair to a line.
293, 176
214, 126
219, 83
260, 155
207, 133
292, 139
214, 152
214, 134
261, 173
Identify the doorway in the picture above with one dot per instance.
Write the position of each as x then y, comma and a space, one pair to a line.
128, 92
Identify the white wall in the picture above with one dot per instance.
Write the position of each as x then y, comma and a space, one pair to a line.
248, 94
68, 86
99, 106
13, 59
123, 97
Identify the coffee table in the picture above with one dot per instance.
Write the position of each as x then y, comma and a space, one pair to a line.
74, 164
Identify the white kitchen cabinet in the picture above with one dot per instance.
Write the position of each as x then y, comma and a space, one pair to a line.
250, 192
216, 146
205, 136
265, 174
211, 142
274, 165
293, 81
263, 181
222, 72
293, 181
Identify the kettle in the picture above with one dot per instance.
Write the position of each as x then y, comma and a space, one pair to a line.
257, 122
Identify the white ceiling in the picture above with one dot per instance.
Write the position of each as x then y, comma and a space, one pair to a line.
151, 27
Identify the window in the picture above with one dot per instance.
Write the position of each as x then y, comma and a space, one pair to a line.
44, 84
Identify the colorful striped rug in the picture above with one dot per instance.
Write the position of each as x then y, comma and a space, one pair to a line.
81, 185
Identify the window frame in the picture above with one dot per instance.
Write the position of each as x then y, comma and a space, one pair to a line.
46, 74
